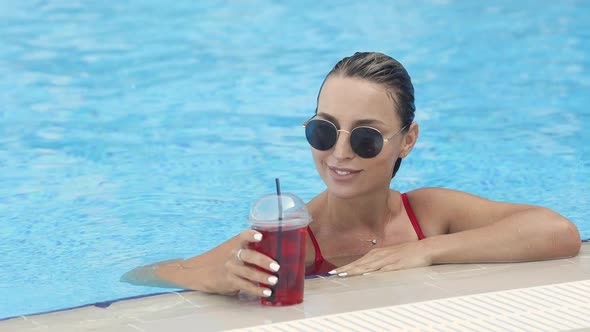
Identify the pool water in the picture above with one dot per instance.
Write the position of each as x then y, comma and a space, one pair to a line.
138, 131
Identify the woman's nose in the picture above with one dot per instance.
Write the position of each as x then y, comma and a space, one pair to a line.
342, 149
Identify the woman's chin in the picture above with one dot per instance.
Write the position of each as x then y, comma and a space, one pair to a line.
344, 192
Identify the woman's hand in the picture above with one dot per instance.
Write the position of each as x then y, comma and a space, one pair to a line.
399, 257
240, 272
227, 269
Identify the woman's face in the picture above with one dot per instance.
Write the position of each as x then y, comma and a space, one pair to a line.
349, 103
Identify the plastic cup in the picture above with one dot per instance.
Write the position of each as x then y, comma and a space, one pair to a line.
282, 220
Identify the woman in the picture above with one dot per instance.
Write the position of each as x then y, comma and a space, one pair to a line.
362, 129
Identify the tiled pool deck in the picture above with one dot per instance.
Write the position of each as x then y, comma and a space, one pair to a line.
194, 311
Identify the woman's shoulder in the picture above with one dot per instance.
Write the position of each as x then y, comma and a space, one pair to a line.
427, 196
433, 207
437, 195
436, 200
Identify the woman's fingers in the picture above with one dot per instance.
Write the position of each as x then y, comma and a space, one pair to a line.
392, 267
404, 256
255, 258
251, 256
247, 267
250, 235
351, 270
372, 261
245, 277
249, 271
249, 287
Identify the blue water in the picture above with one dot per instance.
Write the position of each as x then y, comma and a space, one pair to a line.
137, 131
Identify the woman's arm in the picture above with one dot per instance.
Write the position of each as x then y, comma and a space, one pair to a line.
197, 273
463, 228
216, 271
480, 230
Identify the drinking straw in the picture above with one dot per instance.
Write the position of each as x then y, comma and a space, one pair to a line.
278, 185
279, 234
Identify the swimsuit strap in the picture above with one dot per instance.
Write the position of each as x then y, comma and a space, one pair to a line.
413, 219
318, 254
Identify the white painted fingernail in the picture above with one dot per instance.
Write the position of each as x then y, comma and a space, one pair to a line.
332, 272
274, 266
366, 273
267, 292
257, 236
343, 274
272, 280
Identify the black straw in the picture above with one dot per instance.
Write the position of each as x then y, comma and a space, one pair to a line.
279, 235
278, 185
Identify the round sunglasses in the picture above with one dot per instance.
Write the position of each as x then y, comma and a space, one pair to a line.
366, 142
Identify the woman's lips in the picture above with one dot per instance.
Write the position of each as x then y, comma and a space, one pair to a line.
342, 174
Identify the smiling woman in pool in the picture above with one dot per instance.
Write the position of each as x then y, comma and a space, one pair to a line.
363, 128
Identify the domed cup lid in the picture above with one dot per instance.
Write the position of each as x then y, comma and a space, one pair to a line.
268, 209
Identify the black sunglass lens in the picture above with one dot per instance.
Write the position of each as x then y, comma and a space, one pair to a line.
366, 142
321, 135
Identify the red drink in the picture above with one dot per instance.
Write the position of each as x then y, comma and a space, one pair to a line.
287, 213
289, 288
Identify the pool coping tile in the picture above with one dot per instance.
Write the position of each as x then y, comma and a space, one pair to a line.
324, 295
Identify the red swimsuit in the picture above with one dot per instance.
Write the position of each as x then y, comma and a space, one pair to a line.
322, 266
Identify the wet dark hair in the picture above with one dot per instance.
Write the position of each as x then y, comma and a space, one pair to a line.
387, 72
